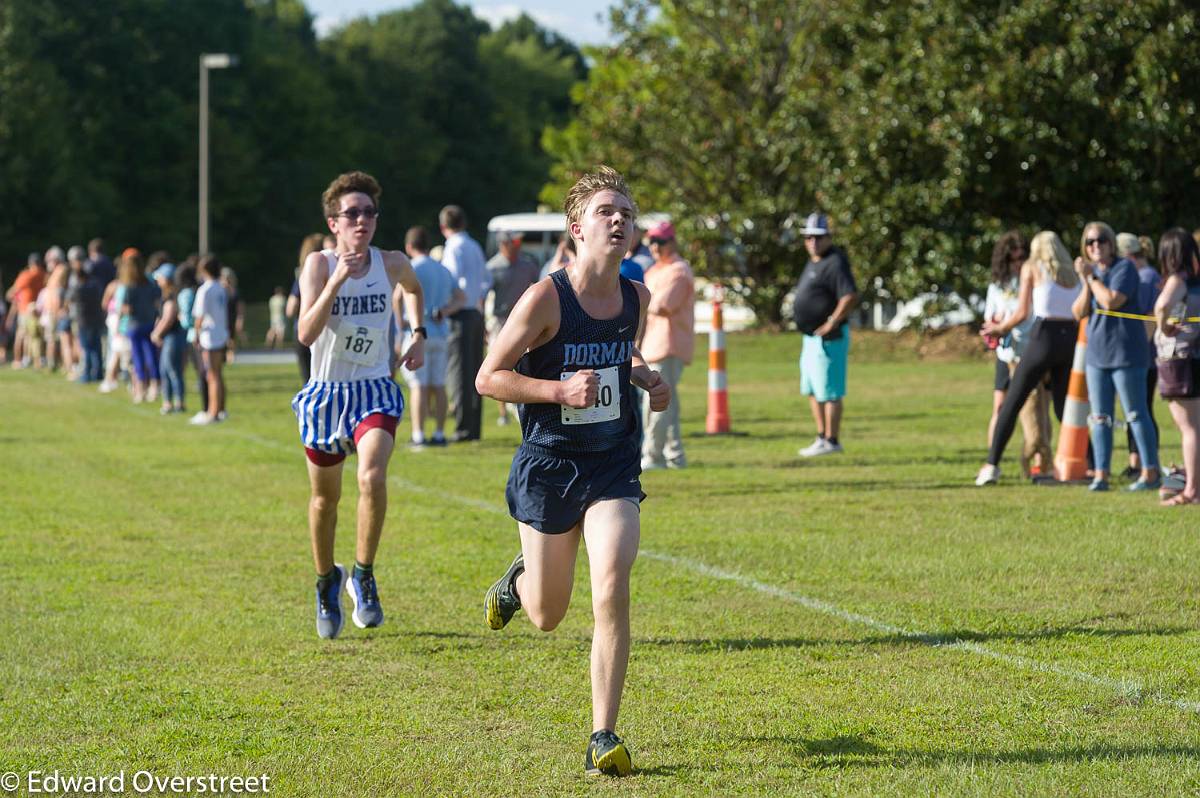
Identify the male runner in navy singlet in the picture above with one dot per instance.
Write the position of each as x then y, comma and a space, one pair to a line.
566, 355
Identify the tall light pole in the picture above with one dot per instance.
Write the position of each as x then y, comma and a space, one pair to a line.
207, 61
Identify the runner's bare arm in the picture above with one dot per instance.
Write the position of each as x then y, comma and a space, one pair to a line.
533, 322
640, 368
642, 375
400, 272
1173, 291
318, 290
404, 279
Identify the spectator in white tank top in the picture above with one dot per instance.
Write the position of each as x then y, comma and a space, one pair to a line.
1048, 284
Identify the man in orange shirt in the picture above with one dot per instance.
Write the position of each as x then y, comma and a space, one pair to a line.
23, 294
667, 344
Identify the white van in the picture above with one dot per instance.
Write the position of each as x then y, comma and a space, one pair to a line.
541, 232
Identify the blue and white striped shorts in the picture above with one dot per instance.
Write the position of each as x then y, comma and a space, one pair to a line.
329, 412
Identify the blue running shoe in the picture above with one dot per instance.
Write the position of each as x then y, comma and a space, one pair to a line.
501, 601
367, 611
607, 755
329, 605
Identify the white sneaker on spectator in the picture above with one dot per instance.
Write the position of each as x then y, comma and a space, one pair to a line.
201, 419
988, 475
812, 448
819, 447
108, 386
223, 415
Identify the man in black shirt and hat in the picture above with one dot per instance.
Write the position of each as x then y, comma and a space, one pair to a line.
824, 297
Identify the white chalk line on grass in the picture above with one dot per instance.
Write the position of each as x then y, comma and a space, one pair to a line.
1130, 689
1127, 688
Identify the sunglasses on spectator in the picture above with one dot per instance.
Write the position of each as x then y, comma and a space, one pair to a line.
353, 214
659, 241
1096, 241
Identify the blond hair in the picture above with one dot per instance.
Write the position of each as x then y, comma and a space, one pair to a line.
311, 243
1050, 257
605, 178
1105, 232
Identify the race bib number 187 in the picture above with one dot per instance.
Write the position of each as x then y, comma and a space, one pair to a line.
608, 400
358, 344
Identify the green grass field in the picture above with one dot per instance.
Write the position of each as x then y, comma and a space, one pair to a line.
869, 624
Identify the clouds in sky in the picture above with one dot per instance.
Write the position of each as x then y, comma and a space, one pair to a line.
581, 21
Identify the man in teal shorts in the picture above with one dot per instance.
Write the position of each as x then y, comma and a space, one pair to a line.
823, 300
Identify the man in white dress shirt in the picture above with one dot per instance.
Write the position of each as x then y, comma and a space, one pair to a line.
464, 258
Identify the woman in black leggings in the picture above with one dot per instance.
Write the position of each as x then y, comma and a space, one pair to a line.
1048, 287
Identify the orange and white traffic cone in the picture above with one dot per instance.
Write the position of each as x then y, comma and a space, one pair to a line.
717, 420
1070, 462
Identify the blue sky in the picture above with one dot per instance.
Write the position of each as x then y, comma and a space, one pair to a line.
581, 21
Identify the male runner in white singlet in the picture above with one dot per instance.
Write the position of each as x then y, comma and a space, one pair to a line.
348, 297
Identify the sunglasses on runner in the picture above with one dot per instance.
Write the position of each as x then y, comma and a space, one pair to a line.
353, 214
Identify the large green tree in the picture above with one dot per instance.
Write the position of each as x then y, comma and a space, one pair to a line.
455, 108
99, 112
105, 134
950, 122
708, 109
923, 128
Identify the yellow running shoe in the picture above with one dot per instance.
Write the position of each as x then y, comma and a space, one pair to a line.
607, 755
502, 601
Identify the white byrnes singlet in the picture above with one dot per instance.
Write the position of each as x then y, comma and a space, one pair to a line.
354, 344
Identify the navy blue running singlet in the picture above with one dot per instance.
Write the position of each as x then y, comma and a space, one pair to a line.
604, 345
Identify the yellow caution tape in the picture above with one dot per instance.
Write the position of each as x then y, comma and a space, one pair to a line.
1140, 316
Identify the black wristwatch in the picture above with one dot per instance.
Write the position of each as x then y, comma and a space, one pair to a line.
422, 332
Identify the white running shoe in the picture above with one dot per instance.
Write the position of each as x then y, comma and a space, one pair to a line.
813, 448
820, 447
988, 475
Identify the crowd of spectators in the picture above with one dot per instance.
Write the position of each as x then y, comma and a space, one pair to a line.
134, 323
1142, 328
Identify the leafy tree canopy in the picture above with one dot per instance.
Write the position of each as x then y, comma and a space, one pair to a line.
923, 129
99, 117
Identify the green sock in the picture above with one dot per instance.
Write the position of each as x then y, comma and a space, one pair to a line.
324, 579
363, 570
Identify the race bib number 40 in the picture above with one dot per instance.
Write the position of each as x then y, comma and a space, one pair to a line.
608, 400
360, 345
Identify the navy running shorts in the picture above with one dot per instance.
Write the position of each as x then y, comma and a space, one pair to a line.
550, 492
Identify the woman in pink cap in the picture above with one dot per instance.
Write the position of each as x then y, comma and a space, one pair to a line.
667, 344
